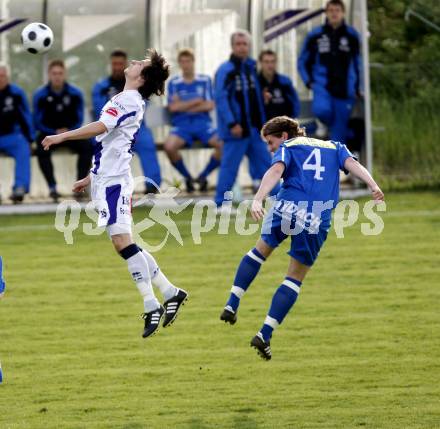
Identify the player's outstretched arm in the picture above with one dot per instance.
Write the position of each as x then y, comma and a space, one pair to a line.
270, 179
86, 132
362, 173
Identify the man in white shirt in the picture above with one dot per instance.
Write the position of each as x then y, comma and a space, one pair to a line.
112, 182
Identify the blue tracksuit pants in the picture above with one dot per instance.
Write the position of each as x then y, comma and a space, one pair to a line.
333, 112
16, 146
233, 152
146, 150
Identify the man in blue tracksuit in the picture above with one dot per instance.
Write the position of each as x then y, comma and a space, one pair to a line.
59, 107
16, 132
105, 89
330, 65
240, 115
279, 95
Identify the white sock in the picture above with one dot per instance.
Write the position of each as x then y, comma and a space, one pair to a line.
158, 278
138, 268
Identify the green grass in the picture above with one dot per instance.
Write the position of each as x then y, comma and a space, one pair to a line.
360, 349
406, 150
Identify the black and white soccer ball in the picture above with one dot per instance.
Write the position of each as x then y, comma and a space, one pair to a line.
37, 38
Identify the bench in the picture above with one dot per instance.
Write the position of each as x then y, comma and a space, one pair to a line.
157, 118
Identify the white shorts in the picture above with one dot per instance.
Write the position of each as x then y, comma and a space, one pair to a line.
112, 199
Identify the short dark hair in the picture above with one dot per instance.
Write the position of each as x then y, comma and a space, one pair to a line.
266, 52
56, 63
186, 52
155, 74
118, 53
335, 3
276, 126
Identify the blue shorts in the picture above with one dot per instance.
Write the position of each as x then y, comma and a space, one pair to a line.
191, 132
304, 245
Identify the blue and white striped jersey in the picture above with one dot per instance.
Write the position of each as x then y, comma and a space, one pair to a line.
122, 115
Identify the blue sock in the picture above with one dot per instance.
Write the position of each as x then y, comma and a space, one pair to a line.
211, 166
247, 270
282, 302
180, 167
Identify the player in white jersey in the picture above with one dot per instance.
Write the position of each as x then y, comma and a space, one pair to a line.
112, 183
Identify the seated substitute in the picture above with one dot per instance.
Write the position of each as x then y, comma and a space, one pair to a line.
144, 146
189, 101
59, 107
16, 132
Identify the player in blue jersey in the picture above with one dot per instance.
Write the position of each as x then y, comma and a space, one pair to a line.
189, 101
310, 172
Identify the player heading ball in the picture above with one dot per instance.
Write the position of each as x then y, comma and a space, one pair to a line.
112, 182
302, 210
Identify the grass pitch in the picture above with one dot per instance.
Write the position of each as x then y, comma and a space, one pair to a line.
360, 349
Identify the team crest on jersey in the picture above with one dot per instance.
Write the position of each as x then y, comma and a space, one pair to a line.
112, 111
277, 96
344, 45
8, 105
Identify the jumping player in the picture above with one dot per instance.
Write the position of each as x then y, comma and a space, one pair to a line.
112, 182
310, 191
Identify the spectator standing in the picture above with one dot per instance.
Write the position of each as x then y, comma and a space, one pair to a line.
330, 65
240, 115
279, 95
144, 146
59, 107
16, 132
190, 101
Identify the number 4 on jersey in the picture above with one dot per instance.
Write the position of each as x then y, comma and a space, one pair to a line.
316, 167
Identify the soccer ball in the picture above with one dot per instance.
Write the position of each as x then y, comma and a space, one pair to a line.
37, 38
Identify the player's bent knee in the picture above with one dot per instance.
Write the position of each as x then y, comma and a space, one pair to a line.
297, 270
171, 147
264, 248
121, 241
215, 143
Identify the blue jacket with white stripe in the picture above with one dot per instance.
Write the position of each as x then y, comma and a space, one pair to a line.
15, 113
331, 58
238, 97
